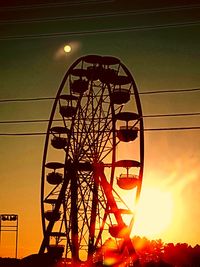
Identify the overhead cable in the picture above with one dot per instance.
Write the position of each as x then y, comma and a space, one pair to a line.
170, 91
140, 93
101, 15
173, 128
53, 5
22, 134
145, 130
26, 99
144, 116
101, 31
27, 121
171, 115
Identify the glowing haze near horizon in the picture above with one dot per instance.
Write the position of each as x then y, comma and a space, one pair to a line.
158, 59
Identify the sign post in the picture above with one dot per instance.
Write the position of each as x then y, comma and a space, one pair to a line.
9, 223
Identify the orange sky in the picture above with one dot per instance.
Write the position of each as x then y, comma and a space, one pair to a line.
159, 59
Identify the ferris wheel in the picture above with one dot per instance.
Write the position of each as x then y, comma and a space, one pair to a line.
93, 161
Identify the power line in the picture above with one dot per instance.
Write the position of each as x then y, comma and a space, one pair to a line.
102, 15
26, 99
27, 121
140, 93
72, 3
101, 31
145, 130
173, 128
145, 116
23, 134
53, 5
171, 115
170, 91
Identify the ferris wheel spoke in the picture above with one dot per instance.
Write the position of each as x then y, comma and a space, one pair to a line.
52, 192
84, 202
81, 136
90, 141
90, 128
104, 138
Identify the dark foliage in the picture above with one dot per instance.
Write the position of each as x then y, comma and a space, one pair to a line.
154, 253
151, 253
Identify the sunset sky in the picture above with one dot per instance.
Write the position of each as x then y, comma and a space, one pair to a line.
160, 45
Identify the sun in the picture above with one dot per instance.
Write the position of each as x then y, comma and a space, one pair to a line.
154, 213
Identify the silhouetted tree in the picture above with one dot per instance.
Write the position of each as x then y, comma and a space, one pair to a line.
156, 253
151, 253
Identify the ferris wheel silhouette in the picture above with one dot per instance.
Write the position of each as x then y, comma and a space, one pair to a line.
97, 110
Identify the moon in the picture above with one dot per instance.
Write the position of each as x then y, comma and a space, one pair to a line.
67, 48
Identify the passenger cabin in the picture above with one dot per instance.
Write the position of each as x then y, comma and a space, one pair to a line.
79, 84
93, 72
85, 166
54, 178
56, 251
121, 91
68, 105
118, 231
126, 180
51, 215
108, 74
59, 140
127, 133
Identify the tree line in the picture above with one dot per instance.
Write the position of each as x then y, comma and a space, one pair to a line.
156, 253
151, 253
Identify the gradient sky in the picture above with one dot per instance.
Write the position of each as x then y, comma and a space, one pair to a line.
159, 58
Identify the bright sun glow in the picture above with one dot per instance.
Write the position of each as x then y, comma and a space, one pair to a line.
154, 213
67, 48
